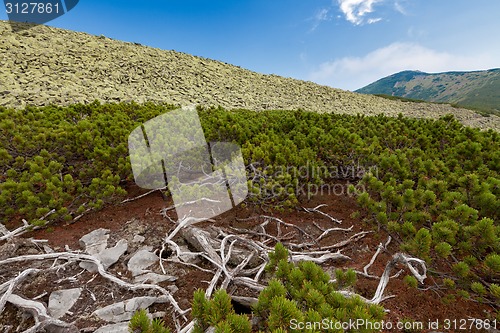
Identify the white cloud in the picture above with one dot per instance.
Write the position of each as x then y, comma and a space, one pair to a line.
399, 7
355, 72
375, 20
356, 10
321, 16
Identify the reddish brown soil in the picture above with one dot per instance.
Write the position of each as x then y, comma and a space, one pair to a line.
408, 302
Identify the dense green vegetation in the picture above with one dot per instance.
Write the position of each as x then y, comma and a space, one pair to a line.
434, 185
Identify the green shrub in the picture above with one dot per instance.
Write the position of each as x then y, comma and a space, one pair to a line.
492, 261
462, 269
478, 288
495, 290
408, 175
303, 292
449, 283
140, 323
443, 249
411, 281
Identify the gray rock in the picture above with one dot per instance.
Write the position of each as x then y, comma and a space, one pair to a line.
109, 256
154, 278
53, 328
173, 289
62, 301
139, 239
95, 242
140, 261
115, 328
124, 311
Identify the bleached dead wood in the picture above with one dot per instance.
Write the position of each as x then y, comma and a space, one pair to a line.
21, 230
239, 276
327, 231
351, 239
380, 247
408, 262
184, 222
290, 225
39, 313
319, 260
247, 282
143, 195
245, 301
316, 210
17, 232
10, 285
101, 270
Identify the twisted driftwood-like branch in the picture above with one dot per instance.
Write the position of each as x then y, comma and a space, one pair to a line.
101, 270
39, 312
316, 210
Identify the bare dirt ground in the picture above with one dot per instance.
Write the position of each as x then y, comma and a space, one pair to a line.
143, 217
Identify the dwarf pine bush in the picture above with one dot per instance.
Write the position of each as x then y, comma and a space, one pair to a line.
296, 293
140, 323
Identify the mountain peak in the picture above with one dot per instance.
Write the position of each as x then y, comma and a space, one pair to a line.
475, 89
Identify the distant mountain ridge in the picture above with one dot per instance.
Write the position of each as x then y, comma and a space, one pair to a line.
475, 89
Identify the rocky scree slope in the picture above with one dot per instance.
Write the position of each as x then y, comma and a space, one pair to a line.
44, 65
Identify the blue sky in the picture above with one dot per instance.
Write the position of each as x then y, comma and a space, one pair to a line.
341, 43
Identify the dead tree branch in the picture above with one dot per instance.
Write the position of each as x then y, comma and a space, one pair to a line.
101, 270
316, 210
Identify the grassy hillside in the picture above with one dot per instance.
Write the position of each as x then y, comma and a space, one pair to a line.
44, 65
478, 89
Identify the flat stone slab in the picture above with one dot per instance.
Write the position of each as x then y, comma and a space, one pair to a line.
141, 260
115, 328
123, 311
154, 278
61, 301
95, 242
139, 239
109, 256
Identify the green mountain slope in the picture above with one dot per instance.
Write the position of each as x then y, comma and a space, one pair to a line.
478, 89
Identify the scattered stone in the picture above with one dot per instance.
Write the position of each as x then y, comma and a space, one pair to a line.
154, 278
123, 311
141, 260
95, 242
173, 289
109, 256
115, 328
47, 249
139, 239
61, 301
